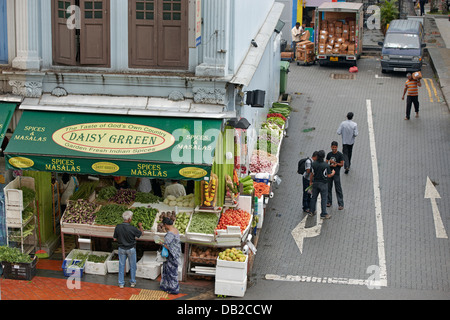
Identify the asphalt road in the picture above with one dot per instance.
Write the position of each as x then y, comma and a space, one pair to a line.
388, 242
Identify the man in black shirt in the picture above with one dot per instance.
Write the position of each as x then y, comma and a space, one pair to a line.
336, 161
125, 234
319, 176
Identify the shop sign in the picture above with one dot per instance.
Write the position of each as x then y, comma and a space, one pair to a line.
113, 138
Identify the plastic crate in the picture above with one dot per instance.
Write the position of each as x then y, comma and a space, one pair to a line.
20, 271
69, 270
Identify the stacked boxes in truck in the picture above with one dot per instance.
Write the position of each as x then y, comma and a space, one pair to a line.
339, 32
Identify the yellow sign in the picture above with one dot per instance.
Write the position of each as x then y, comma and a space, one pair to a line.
21, 162
113, 138
192, 172
105, 167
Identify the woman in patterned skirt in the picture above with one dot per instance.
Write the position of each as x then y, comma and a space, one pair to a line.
169, 277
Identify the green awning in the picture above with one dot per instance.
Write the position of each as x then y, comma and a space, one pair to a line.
155, 147
6, 113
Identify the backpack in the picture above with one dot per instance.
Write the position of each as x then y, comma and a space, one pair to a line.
302, 166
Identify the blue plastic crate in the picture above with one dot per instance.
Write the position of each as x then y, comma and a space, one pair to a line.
68, 270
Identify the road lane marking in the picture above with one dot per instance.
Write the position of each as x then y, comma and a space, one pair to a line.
434, 90
300, 232
432, 194
428, 89
377, 197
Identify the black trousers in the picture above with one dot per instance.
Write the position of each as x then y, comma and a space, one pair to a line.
410, 100
347, 150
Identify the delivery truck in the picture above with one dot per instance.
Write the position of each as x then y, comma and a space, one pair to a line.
339, 32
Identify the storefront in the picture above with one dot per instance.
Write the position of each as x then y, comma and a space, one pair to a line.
232, 183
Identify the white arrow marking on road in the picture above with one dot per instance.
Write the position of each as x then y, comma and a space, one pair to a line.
432, 194
378, 77
300, 232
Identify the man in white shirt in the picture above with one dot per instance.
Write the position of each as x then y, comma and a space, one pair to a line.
296, 33
349, 131
175, 189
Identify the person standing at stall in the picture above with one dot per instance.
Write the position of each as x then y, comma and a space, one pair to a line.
169, 277
69, 185
175, 189
125, 234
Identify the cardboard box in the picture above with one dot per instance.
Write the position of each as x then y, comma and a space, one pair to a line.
335, 51
305, 36
417, 75
287, 55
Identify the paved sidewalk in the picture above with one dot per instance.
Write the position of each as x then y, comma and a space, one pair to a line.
437, 34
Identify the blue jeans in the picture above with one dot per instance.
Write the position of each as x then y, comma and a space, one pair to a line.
123, 255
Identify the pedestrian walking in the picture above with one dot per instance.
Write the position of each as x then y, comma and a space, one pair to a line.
422, 6
306, 183
336, 161
319, 176
125, 234
349, 131
169, 277
412, 95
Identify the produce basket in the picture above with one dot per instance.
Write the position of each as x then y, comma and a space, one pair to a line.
233, 235
204, 255
181, 228
75, 262
19, 271
112, 264
200, 223
148, 267
94, 267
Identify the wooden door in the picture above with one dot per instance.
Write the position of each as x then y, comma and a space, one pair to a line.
142, 43
172, 33
158, 35
64, 42
94, 33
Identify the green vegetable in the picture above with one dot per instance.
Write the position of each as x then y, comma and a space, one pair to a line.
203, 222
13, 255
107, 193
181, 222
146, 197
85, 190
110, 214
28, 195
144, 215
97, 259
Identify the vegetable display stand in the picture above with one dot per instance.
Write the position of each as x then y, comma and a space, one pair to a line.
20, 213
202, 261
20, 271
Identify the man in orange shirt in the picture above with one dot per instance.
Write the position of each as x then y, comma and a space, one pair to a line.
411, 87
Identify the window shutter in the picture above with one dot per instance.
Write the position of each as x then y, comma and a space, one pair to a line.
142, 40
95, 32
172, 33
63, 38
